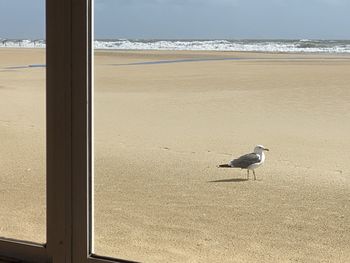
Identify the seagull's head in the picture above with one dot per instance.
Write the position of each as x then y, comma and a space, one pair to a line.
260, 149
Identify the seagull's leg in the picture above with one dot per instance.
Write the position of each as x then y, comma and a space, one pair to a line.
247, 174
254, 174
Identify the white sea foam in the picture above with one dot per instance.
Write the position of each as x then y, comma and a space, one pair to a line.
287, 46
22, 43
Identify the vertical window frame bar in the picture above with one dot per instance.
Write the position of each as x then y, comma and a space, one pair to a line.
82, 139
59, 129
81, 81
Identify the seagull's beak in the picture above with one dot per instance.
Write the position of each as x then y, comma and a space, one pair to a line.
265, 149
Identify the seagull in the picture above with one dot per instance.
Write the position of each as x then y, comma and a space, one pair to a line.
249, 161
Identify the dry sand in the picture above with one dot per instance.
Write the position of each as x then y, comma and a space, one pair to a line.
22, 145
160, 131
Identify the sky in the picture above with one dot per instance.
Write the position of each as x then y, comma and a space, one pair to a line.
193, 19
22, 19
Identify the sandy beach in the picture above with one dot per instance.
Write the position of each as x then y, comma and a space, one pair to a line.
22, 145
163, 121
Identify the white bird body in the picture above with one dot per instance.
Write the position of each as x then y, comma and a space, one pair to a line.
256, 165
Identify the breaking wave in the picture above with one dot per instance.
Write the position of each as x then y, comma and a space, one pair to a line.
276, 46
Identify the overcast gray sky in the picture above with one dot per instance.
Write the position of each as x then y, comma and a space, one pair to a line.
22, 18
325, 19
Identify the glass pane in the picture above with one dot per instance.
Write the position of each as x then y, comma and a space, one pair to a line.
184, 86
22, 120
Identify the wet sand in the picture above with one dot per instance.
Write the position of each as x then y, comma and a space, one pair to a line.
160, 131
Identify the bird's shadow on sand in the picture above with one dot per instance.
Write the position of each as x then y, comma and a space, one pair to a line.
231, 180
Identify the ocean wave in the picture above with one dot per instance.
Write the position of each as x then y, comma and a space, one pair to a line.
22, 43
276, 46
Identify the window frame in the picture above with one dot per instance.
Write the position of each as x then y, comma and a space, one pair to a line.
69, 196
69, 180
59, 64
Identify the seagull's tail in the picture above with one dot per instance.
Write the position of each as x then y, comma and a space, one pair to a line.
224, 166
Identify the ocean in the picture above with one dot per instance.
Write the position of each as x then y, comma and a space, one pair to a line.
248, 45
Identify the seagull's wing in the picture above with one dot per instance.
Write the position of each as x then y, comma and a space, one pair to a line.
245, 160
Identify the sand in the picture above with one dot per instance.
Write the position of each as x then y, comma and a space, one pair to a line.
161, 130
22, 145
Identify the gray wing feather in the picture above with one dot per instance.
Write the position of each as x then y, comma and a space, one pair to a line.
245, 160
